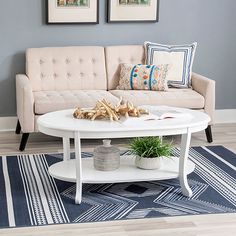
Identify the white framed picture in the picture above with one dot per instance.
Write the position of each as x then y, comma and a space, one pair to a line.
133, 11
72, 11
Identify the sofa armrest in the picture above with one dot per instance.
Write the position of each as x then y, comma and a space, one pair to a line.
25, 103
206, 87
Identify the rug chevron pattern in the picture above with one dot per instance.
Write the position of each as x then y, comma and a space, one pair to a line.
29, 196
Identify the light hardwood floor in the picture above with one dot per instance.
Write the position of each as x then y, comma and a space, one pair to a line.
204, 225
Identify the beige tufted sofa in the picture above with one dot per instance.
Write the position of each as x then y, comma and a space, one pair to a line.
68, 77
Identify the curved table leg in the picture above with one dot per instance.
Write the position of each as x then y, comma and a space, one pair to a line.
66, 149
184, 151
78, 163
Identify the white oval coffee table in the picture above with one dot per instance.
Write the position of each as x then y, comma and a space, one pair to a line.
62, 124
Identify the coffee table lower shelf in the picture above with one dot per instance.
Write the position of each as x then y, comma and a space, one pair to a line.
128, 172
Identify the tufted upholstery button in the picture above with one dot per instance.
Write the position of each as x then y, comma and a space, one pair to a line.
81, 74
67, 60
119, 60
41, 61
54, 61
81, 60
42, 75
93, 60
132, 59
55, 75
68, 74
95, 74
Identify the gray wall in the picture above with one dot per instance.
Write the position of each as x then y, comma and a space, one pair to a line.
209, 22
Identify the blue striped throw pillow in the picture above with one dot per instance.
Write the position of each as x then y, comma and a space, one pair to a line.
179, 57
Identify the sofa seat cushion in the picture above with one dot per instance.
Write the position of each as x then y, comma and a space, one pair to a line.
48, 101
186, 98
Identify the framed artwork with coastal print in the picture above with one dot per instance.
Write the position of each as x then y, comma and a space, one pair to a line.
132, 11
72, 11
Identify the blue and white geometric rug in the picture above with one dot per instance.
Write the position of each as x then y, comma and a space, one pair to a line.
30, 197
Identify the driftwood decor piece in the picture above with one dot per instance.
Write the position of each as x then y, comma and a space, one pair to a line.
105, 110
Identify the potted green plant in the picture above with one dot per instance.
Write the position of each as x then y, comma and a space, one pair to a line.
149, 152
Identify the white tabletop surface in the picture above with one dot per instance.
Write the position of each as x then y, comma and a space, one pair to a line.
64, 120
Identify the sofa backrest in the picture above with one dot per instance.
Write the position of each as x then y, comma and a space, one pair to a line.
65, 68
115, 55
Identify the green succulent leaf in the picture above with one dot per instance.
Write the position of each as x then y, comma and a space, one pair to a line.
150, 147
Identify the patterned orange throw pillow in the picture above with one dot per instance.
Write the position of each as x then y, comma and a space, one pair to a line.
143, 77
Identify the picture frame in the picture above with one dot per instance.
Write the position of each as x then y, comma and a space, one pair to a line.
72, 11
132, 11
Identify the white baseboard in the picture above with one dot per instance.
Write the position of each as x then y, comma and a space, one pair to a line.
221, 117
8, 123
225, 116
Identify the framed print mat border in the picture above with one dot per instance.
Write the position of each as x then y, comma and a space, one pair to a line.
72, 11
127, 11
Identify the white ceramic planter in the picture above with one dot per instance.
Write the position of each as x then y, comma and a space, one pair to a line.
148, 163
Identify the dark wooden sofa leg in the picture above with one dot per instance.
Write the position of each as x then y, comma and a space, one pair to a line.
23, 142
209, 134
18, 127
